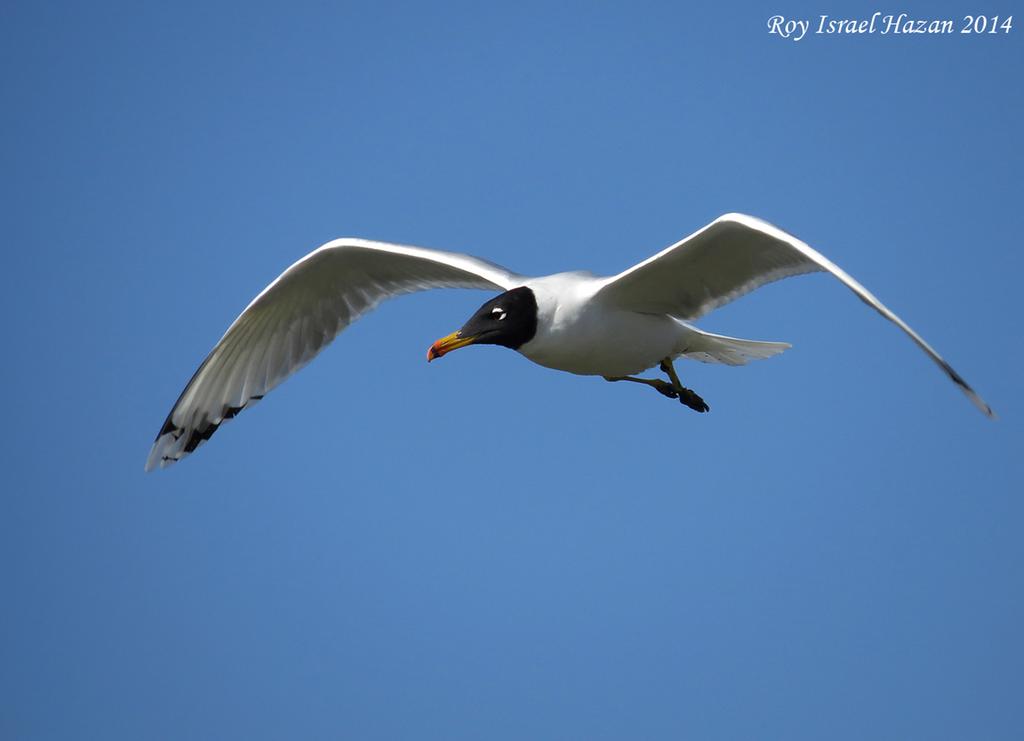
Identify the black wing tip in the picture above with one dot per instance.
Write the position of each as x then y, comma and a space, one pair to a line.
971, 393
165, 452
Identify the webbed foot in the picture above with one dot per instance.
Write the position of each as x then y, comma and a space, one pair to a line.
690, 399
686, 396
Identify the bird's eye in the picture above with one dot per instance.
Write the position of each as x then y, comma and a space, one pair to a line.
498, 313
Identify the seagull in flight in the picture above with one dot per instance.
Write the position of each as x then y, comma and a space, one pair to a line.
615, 327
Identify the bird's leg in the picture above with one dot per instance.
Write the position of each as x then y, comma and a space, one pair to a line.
686, 396
666, 389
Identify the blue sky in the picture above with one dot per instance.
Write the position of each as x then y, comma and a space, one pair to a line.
483, 548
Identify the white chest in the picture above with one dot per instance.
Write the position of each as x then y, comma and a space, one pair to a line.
579, 335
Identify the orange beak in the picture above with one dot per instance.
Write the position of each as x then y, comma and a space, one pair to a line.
446, 344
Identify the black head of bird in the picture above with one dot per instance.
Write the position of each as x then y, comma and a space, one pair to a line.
509, 320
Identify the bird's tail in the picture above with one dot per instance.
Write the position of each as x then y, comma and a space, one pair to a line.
716, 348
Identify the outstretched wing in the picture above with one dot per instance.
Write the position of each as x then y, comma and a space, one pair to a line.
732, 256
295, 317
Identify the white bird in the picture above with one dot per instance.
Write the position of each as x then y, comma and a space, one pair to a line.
613, 327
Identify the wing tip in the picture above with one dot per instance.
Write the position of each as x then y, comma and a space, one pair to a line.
174, 442
971, 394
979, 402
165, 451
983, 407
